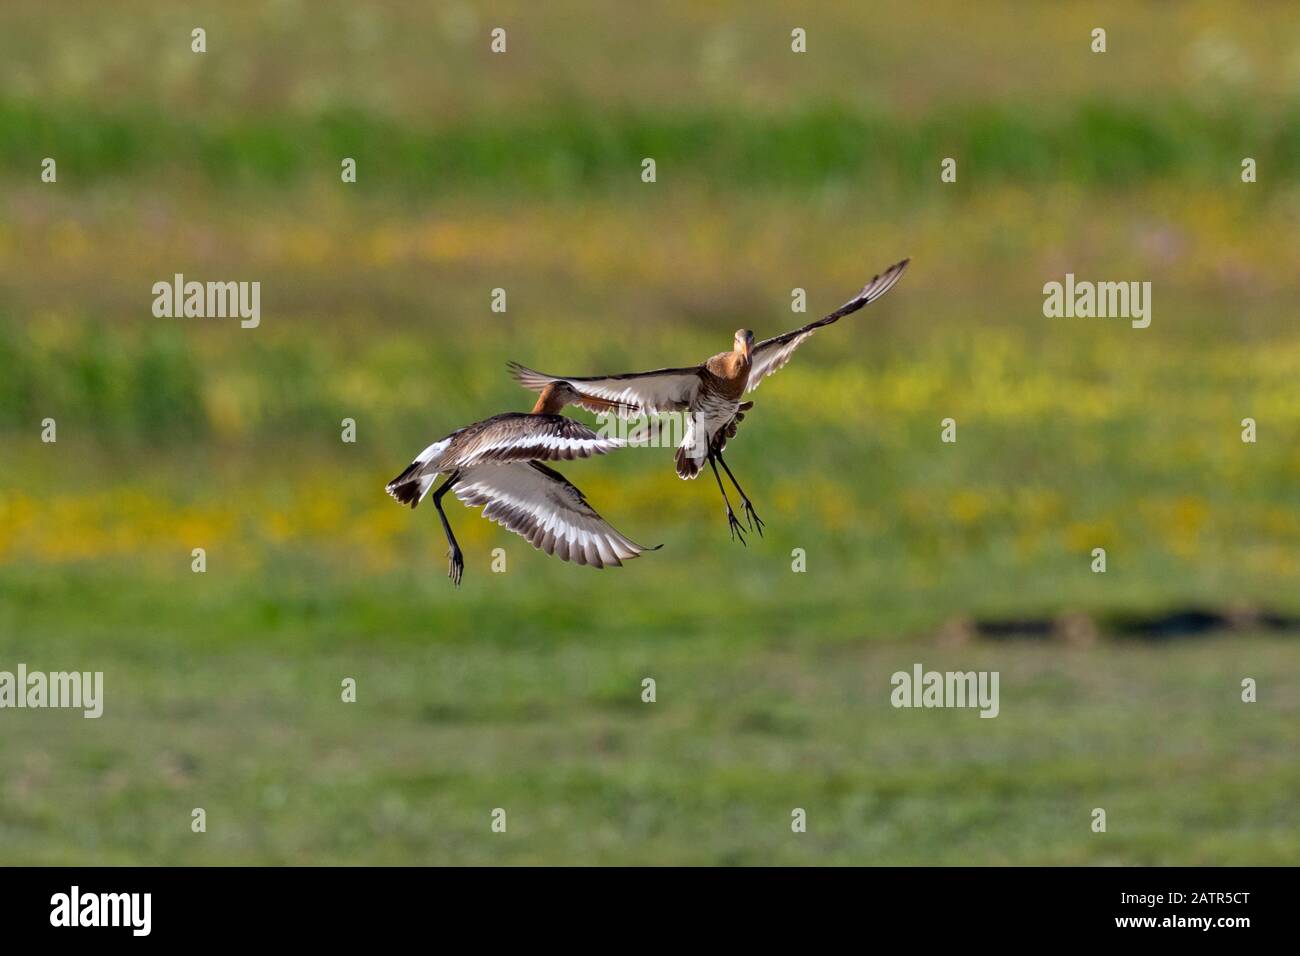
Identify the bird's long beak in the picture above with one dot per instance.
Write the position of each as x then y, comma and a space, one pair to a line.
608, 405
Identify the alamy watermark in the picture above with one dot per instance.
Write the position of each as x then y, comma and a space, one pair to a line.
922, 688
660, 430
75, 908
1102, 300
76, 690
208, 300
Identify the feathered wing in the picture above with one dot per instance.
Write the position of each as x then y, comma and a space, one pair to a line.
772, 354
663, 390
502, 438
520, 437
541, 506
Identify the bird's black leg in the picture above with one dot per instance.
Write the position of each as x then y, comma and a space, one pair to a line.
457, 566
731, 515
750, 514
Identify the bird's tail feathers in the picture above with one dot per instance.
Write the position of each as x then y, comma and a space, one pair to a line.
687, 467
410, 487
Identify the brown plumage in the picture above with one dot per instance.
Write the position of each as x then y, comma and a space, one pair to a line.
709, 393
496, 464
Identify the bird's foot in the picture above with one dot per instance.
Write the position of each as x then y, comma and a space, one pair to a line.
755, 522
457, 566
737, 531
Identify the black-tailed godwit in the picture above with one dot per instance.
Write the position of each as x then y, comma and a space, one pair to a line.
710, 393
497, 463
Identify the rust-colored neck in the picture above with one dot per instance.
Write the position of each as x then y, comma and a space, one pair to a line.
550, 402
737, 363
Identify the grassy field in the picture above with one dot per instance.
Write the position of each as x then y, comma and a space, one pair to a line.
522, 690
549, 726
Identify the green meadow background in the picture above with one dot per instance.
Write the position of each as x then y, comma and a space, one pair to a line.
775, 171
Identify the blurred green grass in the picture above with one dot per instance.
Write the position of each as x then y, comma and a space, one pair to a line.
553, 731
521, 690
571, 148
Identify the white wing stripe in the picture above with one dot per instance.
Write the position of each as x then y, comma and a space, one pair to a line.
669, 389
546, 511
542, 446
433, 451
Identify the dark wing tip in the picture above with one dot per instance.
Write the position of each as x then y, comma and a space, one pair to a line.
898, 268
894, 270
881, 282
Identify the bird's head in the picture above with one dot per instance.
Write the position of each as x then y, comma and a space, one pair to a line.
744, 343
554, 396
560, 393
564, 392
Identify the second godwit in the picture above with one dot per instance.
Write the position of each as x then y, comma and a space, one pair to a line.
497, 463
709, 393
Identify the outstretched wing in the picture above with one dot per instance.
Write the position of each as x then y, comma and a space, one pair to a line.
515, 436
510, 437
663, 390
772, 354
540, 505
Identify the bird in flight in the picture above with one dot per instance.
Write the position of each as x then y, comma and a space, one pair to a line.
710, 393
497, 464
